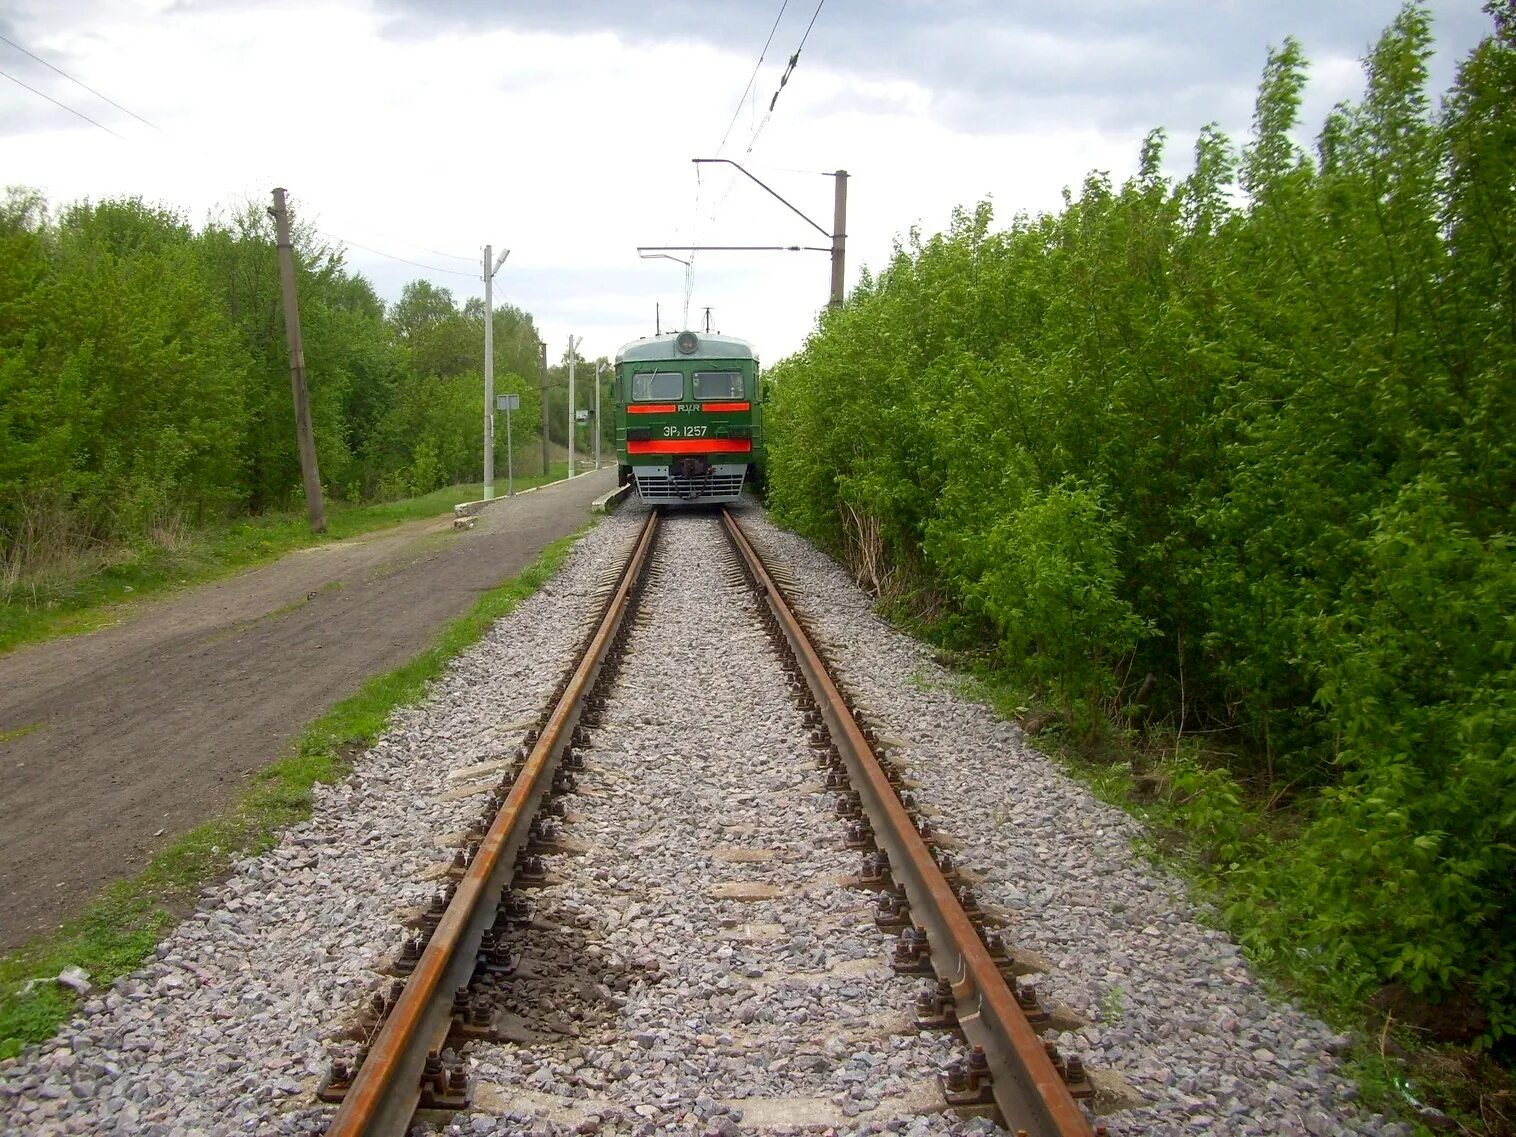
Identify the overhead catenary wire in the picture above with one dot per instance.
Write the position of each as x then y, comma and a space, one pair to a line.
65, 106
750, 88
81, 83
769, 114
789, 69
753, 78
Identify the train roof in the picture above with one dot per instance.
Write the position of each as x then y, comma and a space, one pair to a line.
660, 348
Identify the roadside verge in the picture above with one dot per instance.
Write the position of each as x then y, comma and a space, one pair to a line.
119, 928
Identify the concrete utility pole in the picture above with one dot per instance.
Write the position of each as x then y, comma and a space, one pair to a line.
315, 508
574, 342
542, 387
839, 237
489, 368
597, 412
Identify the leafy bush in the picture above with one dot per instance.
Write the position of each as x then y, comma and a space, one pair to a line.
1243, 441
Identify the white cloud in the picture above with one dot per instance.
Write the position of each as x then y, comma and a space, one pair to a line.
570, 148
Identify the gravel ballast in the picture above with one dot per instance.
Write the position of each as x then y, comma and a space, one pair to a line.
695, 963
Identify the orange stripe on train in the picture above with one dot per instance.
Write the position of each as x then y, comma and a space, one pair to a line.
725, 406
691, 446
651, 408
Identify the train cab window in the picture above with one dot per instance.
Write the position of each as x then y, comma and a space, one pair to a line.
657, 386
718, 385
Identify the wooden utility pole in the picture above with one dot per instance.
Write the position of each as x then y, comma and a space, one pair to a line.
315, 508
542, 383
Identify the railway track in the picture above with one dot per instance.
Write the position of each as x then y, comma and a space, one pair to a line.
457, 965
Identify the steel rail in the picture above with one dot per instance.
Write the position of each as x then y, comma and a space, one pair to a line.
1028, 1090
386, 1088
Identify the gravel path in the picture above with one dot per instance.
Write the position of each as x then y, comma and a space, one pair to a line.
696, 965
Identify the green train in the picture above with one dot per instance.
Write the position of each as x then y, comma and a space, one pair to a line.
689, 418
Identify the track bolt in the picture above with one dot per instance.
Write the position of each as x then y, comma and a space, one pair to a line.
979, 1065
945, 864
970, 902
849, 805
530, 870
912, 953
993, 944
1056, 1059
936, 1008
1031, 1006
572, 760
966, 1083
410, 955
955, 1078
518, 909
336, 1083
860, 835
820, 740
836, 780
876, 868
891, 913
581, 737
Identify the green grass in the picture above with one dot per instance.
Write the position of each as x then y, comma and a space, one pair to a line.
19, 732
1233, 842
122, 925
90, 592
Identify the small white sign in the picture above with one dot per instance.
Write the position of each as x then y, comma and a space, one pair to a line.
581, 416
507, 402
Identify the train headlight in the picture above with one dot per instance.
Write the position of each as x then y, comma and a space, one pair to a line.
686, 343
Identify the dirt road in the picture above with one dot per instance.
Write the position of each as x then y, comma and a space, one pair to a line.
154, 723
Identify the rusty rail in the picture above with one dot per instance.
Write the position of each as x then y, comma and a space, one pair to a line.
386, 1088
1028, 1090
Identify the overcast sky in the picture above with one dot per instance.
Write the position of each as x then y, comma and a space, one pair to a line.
563, 129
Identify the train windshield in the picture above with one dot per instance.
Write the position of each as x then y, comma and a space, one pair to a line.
657, 386
718, 385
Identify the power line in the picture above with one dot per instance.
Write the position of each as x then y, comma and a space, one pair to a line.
785, 78
391, 256
752, 78
425, 248
56, 103
689, 275
86, 86
155, 126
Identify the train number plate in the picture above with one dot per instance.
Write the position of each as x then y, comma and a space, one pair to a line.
672, 431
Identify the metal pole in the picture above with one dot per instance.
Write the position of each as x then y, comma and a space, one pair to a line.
510, 481
573, 417
839, 239
315, 508
489, 377
542, 388
597, 414
491, 267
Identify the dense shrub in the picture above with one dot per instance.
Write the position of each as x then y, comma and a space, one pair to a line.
144, 379
1242, 441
